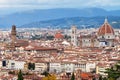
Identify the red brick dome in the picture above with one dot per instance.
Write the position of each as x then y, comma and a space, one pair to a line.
105, 29
58, 35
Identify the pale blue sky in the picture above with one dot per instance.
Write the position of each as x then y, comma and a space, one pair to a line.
8, 6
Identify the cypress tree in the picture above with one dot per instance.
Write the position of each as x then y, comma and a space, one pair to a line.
100, 78
72, 77
29, 66
20, 75
33, 66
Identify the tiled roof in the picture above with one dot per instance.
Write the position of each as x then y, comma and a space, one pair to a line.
105, 29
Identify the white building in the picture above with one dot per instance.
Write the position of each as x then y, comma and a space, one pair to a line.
67, 67
40, 66
55, 67
80, 66
100, 69
90, 66
0, 63
17, 65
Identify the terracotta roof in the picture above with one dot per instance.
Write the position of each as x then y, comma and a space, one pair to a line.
19, 43
105, 29
58, 35
86, 75
33, 77
40, 48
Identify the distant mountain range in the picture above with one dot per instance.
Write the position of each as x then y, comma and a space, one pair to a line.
59, 17
80, 22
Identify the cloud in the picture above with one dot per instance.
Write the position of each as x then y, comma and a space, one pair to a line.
103, 3
58, 3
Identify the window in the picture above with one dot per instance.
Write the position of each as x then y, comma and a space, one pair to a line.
102, 36
4, 63
12, 63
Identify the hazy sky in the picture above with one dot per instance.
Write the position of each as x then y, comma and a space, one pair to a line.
19, 5
29, 4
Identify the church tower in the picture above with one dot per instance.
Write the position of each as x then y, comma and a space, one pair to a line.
11, 45
13, 33
74, 35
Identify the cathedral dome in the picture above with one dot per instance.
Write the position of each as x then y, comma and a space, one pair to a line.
105, 29
58, 35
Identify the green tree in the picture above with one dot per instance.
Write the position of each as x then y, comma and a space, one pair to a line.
100, 78
67, 37
20, 75
113, 72
51, 77
72, 77
45, 73
105, 78
48, 76
31, 66
50, 37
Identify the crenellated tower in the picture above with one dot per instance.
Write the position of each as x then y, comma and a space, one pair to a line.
13, 33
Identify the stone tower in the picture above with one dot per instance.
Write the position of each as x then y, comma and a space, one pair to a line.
13, 33
74, 35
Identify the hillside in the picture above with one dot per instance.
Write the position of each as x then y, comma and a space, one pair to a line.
49, 15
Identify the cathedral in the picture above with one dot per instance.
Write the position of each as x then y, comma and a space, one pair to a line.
104, 37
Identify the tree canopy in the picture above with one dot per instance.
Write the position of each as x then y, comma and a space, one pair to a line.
48, 76
113, 72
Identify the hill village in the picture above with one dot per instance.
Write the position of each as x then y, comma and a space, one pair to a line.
87, 53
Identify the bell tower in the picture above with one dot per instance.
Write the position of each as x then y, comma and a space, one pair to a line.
74, 35
13, 33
